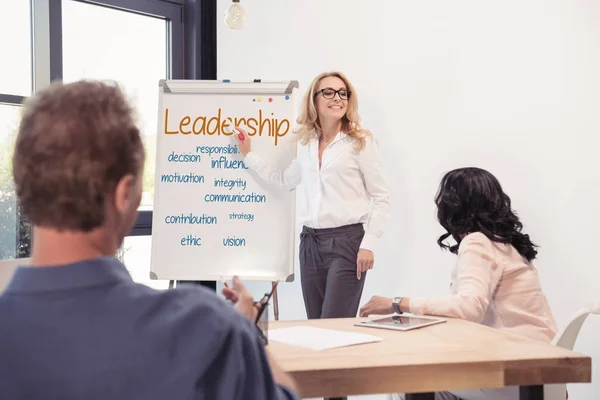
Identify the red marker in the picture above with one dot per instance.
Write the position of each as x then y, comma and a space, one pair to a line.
241, 136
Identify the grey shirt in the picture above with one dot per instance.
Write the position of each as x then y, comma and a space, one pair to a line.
87, 331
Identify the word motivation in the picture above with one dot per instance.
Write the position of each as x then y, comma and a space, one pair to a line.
182, 178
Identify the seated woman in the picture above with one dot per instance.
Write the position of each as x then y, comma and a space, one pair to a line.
494, 281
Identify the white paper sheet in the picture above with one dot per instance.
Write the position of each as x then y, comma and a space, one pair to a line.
319, 338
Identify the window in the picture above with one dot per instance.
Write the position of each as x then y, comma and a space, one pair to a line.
135, 254
15, 46
13, 228
133, 52
15, 84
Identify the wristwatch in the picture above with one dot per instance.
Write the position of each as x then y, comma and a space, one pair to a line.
396, 305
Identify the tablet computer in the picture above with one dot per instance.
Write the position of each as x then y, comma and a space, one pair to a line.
401, 322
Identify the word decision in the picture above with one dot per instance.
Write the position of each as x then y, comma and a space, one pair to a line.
217, 125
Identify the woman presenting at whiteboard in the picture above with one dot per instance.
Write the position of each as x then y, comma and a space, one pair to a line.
347, 199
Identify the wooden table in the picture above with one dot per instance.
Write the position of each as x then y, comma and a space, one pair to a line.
455, 355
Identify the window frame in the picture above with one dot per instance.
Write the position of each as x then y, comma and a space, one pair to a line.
11, 99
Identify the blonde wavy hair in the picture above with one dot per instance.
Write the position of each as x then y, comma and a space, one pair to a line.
308, 121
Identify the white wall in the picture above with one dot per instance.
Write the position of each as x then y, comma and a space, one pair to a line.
511, 86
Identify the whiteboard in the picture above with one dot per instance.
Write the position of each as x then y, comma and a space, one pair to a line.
213, 218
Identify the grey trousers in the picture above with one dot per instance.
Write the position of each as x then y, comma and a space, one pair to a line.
328, 271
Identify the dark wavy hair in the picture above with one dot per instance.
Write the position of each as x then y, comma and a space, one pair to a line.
472, 200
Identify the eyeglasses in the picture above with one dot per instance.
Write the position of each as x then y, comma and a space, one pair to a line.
330, 93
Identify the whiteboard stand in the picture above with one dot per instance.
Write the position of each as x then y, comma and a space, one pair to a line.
275, 302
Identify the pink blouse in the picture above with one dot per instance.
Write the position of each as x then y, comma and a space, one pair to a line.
494, 285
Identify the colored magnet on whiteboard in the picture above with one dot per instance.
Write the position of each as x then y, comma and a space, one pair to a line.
260, 99
270, 99
287, 97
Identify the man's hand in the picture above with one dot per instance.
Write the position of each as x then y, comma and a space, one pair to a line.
239, 295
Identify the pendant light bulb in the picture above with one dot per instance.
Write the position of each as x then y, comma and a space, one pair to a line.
235, 15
